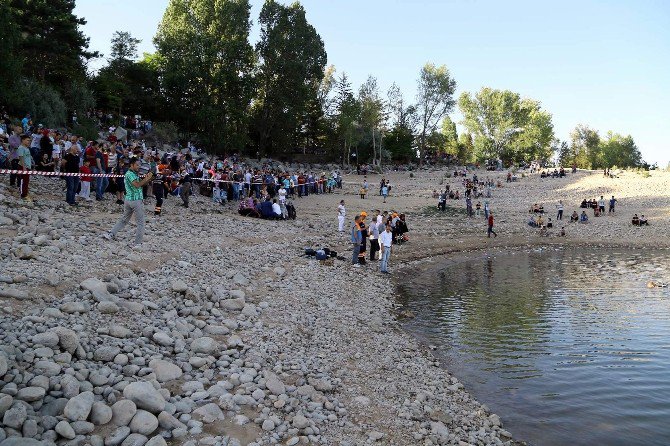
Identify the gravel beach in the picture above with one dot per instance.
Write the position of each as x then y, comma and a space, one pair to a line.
218, 331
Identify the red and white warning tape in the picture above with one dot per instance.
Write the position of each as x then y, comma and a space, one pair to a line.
111, 175
58, 174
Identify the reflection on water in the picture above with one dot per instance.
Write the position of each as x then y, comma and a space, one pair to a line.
568, 346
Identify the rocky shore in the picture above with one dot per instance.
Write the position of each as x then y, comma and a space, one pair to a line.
219, 332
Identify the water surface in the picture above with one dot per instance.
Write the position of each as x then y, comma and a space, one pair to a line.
568, 346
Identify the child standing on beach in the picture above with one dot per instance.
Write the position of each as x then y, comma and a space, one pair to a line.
85, 181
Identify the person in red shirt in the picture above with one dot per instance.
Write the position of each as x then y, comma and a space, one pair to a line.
490, 230
301, 185
89, 154
85, 181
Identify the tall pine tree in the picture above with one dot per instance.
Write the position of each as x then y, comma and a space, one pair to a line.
54, 49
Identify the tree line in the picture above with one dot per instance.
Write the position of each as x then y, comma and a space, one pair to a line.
278, 97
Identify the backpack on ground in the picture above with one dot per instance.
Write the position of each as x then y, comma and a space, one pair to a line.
290, 210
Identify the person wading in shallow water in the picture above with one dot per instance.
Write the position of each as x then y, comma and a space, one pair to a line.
490, 230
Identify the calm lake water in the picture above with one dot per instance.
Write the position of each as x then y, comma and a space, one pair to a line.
569, 347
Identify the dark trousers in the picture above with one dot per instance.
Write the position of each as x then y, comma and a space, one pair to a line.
185, 193
25, 181
560, 215
14, 179
71, 184
158, 193
374, 247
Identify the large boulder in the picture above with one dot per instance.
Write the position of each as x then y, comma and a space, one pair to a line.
145, 396
205, 345
79, 407
165, 370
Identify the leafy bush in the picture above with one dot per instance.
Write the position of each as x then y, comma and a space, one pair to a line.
45, 104
79, 97
165, 132
87, 128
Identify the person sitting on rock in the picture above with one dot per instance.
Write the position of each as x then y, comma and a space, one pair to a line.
540, 221
583, 218
584, 204
643, 220
574, 217
266, 209
247, 208
276, 210
531, 222
562, 231
549, 223
636, 220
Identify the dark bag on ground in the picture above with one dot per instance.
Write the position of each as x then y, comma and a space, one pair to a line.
206, 189
290, 210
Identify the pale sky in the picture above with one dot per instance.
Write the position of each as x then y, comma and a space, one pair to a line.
601, 63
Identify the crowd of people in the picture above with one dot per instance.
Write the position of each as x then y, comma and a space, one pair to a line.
132, 172
556, 173
383, 230
598, 206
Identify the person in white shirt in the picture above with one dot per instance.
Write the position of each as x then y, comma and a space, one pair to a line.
247, 182
282, 202
276, 209
386, 245
341, 213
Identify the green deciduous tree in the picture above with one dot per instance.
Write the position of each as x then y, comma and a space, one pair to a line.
506, 127
206, 65
292, 61
372, 115
620, 151
435, 99
466, 148
347, 113
400, 140
450, 136
584, 148
44, 103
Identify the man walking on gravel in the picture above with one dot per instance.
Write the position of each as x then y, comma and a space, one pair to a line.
133, 203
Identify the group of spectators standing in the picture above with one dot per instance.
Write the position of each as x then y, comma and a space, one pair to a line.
383, 231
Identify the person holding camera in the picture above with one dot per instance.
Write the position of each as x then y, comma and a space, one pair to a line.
133, 203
